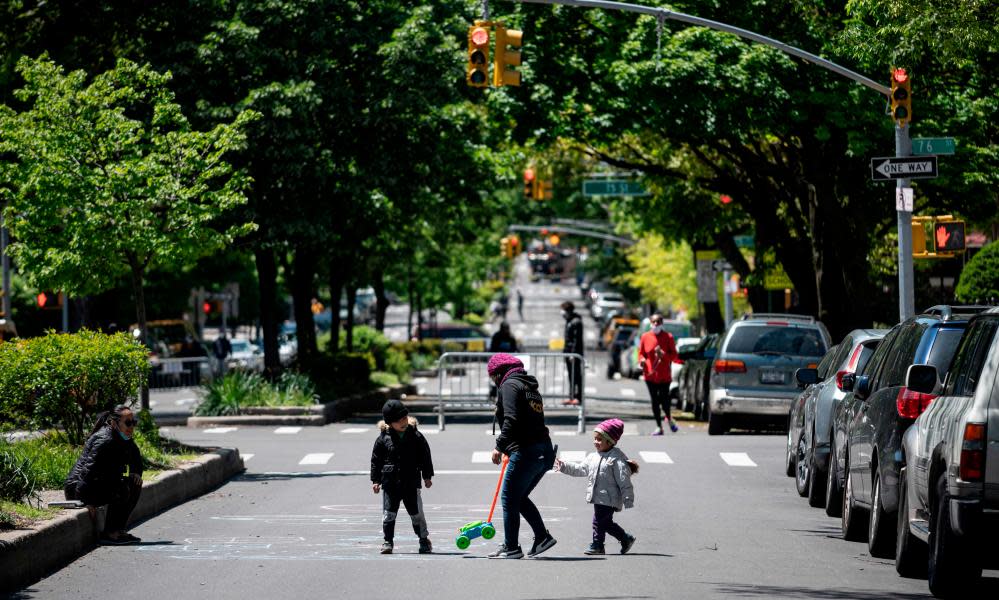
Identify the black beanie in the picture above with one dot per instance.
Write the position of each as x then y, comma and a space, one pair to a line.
394, 410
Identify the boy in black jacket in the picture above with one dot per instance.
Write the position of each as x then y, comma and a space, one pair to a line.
399, 460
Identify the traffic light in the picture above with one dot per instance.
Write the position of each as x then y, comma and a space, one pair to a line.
901, 97
948, 236
505, 247
514, 246
49, 300
529, 183
478, 55
505, 57
543, 190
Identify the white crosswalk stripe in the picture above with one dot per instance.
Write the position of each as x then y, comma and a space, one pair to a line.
356, 430
482, 457
590, 390
564, 432
221, 429
318, 458
737, 459
287, 430
656, 457
628, 392
246, 457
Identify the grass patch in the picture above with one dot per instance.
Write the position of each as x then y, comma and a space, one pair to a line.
22, 513
238, 389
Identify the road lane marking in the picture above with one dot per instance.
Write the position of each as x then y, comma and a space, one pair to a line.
590, 390
220, 429
572, 455
482, 457
630, 429
564, 432
737, 459
656, 457
317, 458
628, 392
246, 457
356, 430
287, 430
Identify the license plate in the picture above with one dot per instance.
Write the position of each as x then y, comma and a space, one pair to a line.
771, 377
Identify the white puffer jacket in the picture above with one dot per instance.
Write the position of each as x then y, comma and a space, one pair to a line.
608, 478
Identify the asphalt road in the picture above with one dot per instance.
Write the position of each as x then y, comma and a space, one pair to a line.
715, 518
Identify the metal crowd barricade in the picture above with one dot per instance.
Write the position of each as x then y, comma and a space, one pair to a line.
179, 372
463, 382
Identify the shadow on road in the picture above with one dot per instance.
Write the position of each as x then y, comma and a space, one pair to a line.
776, 591
265, 477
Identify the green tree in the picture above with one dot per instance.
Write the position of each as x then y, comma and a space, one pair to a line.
663, 273
979, 280
111, 180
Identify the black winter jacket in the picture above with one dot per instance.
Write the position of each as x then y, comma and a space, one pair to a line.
401, 461
102, 465
521, 413
573, 334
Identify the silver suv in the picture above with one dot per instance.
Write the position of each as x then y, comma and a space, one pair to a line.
949, 487
752, 377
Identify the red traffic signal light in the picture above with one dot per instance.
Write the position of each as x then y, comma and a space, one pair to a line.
206, 307
49, 300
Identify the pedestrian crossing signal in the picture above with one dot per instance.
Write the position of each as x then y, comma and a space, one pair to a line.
949, 236
49, 300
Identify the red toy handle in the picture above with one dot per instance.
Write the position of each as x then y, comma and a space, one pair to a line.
499, 483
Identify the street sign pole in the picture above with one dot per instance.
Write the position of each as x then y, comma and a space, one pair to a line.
727, 276
906, 301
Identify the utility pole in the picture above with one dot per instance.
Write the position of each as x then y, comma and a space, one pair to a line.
906, 298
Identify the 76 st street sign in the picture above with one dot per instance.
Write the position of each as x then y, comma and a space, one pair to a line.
913, 167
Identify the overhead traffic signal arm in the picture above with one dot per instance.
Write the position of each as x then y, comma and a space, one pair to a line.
505, 57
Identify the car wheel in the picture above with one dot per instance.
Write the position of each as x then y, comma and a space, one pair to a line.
880, 535
910, 552
789, 466
853, 529
816, 483
802, 466
716, 423
834, 494
952, 566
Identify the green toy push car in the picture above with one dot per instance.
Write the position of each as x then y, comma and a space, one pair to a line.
469, 532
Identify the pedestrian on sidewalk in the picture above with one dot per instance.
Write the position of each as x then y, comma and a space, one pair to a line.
656, 354
399, 460
503, 340
524, 439
608, 489
520, 304
573, 344
109, 471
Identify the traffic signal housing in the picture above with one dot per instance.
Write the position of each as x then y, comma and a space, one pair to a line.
505, 246
49, 300
477, 74
529, 179
901, 97
504, 57
948, 236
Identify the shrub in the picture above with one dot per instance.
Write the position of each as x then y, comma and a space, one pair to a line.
50, 458
368, 340
7, 520
474, 319
17, 481
66, 379
383, 379
397, 363
294, 389
979, 280
224, 396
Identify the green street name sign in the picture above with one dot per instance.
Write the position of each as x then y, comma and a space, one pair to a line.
613, 187
926, 146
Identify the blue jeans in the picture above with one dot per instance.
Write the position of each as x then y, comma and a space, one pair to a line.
526, 468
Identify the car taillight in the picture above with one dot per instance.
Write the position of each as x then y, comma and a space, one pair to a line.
912, 404
973, 452
729, 366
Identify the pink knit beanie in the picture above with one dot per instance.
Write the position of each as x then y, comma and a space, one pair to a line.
612, 428
503, 361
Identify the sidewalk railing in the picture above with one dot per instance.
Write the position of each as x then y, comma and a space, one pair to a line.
463, 382
179, 372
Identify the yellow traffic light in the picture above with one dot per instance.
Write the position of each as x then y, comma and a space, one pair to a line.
901, 97
477, 74
505, 57
544, 190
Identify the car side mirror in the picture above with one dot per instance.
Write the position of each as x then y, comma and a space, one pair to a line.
862, 387
921, 378
806, 377
845, 381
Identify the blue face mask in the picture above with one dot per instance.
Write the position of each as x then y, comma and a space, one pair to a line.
124, 437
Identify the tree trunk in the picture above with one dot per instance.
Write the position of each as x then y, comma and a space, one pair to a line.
336, 289
139, 293
267, 278
419, 315
302, 288
351, 299
410, 298
381, 300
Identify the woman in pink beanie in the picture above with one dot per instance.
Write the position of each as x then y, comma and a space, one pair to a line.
608, 487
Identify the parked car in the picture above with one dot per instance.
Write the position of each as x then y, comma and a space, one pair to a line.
617, 346
685, 345
752, 377
811, 427
949, 484
692, 379
245, 356
810, 381
609, 333
605, 302
872, 419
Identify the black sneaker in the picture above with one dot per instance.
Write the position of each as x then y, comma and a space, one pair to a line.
594, 549
503, 552
425, 546
386, 547
627, 544
541, 545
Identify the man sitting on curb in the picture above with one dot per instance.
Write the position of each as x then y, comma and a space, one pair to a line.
109, 471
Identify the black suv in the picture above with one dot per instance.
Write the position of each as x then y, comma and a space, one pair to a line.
873, 417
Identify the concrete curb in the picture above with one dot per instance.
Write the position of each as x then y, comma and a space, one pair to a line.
320, 414
28, 555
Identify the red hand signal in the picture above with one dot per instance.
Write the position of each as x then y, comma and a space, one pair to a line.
942, 236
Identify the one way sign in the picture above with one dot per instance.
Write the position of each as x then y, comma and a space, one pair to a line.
913, 167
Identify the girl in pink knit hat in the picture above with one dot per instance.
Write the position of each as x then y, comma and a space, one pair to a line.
608, 472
